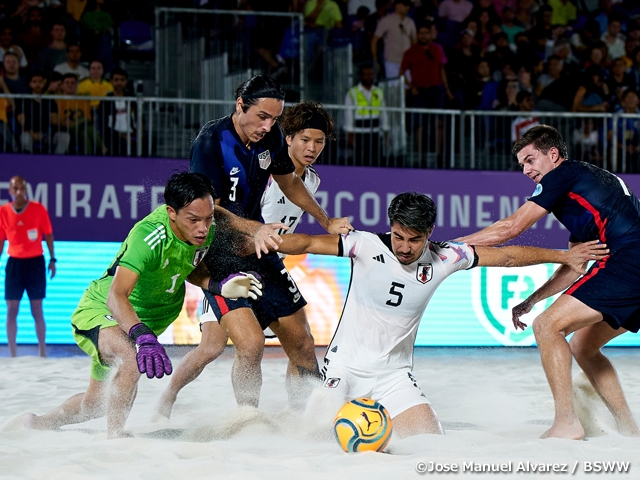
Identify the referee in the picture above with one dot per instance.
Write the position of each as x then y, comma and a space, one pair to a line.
23, 223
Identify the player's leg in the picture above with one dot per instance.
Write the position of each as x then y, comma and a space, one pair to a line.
13, 307
417, 420
566, 315
297, 341
410, 410
242, 327
13, 290
41, 328
36, 286
76, 409
211, 347
585, 346
117, 349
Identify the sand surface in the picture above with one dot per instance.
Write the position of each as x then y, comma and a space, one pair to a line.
493, 403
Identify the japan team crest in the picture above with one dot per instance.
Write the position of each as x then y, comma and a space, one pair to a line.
332, 382
265, 159
424, 272
199, 255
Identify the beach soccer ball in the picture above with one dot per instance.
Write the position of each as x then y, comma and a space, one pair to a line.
362, 425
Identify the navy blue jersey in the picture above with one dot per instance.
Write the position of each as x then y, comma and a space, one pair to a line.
592, 203
239, 175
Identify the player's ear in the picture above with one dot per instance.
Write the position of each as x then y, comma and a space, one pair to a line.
431, 230
172, 213
239, 105
289, 139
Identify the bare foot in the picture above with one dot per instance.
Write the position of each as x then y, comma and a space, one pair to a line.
165, 405
571, 431
29, 420
121, 434
628, 429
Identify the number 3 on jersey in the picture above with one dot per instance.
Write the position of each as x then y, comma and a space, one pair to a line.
394, 290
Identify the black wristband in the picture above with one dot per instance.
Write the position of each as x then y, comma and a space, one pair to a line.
139, 329
214, 287
53, 259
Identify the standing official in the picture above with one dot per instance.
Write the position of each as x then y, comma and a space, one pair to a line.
24, 222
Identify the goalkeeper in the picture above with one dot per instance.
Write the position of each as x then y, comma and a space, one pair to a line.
121, 314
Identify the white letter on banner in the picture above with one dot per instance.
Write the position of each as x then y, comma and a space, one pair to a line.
338, 206
41, 195
440, 210
375, 199
3, 186
460, 210
109, 202
508, 206
322, 197
156, 191
134, 190
59, 199
483, 218
76, 203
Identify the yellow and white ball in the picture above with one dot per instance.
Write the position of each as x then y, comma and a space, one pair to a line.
362, 425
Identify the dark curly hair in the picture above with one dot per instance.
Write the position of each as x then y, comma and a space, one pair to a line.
297, 118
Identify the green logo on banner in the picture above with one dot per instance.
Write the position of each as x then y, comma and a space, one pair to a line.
495, 291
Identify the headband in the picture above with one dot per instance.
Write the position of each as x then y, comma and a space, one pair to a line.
277, 96
318, 122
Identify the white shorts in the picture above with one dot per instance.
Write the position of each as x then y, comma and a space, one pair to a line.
397, 390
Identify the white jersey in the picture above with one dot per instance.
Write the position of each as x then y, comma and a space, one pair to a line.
276, 207
386, 300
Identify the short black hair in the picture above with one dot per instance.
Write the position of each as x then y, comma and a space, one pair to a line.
308, 114
413, 210
184, 187
257, 87
119, 71
69, 75
542, 137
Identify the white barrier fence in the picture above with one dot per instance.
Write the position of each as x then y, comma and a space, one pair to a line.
449, 139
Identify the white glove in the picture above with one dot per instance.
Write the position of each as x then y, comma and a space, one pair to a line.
238, 285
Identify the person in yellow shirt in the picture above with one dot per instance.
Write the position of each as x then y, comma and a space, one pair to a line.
95, 85
75, 116
7, 140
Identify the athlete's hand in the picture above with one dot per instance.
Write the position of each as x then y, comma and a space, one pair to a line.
339, 226
520, 310
267, 238
151, 356
238, 285
580, 254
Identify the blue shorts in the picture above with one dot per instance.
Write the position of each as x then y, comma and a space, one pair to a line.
280, 296
612, 287
25, 274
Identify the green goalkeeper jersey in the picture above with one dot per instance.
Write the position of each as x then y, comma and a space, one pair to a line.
162, 262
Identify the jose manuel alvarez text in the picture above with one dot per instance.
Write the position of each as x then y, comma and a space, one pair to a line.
523, 467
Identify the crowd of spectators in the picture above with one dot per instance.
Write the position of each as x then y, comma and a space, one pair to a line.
58, 47
509, 55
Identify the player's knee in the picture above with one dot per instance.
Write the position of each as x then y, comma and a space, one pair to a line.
580, 351
250, 351
209, 352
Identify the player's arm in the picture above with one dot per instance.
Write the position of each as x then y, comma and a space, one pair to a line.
300, 243
52, 261
150, 354
508, 228
236, 285
575, 259
265, 236
118, 302
295, 190
561, 279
